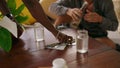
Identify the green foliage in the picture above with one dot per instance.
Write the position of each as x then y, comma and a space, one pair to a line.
5, 39
21, 19
1, 15
5, 35
11, 4
17, 12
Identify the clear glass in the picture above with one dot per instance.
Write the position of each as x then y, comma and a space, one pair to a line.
39, 32
39, 36
82, 41
82, 58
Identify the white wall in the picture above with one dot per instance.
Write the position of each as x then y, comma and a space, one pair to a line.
117, 10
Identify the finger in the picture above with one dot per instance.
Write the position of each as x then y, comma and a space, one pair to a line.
88, 11
87, 18
78, 12
60, 37
70, 39
66, 40
75, 17
63, 38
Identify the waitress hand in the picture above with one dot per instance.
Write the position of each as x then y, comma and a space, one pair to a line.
63, 38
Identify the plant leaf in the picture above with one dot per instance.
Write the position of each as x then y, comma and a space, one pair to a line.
1, 15
5, 40
21, 19
19, 9
11, 4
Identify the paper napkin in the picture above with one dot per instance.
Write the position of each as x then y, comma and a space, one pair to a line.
9, 25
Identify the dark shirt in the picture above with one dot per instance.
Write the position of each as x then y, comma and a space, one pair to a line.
104, 8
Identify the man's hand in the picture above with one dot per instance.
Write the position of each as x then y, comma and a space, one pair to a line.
74, 13
92, 17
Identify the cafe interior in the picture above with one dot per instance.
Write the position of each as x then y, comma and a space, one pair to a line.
29, 39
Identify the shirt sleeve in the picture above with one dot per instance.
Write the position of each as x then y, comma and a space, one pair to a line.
59, 7
110, 21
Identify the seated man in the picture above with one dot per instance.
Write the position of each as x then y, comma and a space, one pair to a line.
96, 17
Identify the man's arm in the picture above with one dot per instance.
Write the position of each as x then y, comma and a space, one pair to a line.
60, 7
109, 21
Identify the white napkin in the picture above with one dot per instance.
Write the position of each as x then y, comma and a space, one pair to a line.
9, 25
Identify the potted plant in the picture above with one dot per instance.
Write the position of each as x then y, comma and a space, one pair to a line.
5, 35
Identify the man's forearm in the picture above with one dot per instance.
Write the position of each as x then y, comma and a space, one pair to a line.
58, 10
109, 25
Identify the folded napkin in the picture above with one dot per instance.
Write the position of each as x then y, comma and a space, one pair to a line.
9, 25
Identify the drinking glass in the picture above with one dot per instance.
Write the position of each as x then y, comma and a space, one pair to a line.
39, 35
82, 41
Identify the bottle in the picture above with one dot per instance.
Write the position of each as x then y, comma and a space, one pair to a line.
59, 63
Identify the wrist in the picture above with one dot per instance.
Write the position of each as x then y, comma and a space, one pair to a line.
68, 11
100, 19
55, 32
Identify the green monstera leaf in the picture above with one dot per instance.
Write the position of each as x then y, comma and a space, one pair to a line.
5, 39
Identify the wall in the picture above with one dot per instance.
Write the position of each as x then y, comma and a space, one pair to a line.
117, 10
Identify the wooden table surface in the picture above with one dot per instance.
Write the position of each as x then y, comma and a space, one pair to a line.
24, 54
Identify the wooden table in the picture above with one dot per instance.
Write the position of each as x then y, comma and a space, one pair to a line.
25, 55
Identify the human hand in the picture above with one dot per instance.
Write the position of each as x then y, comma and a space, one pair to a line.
74, 13
92, 17
63, 38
